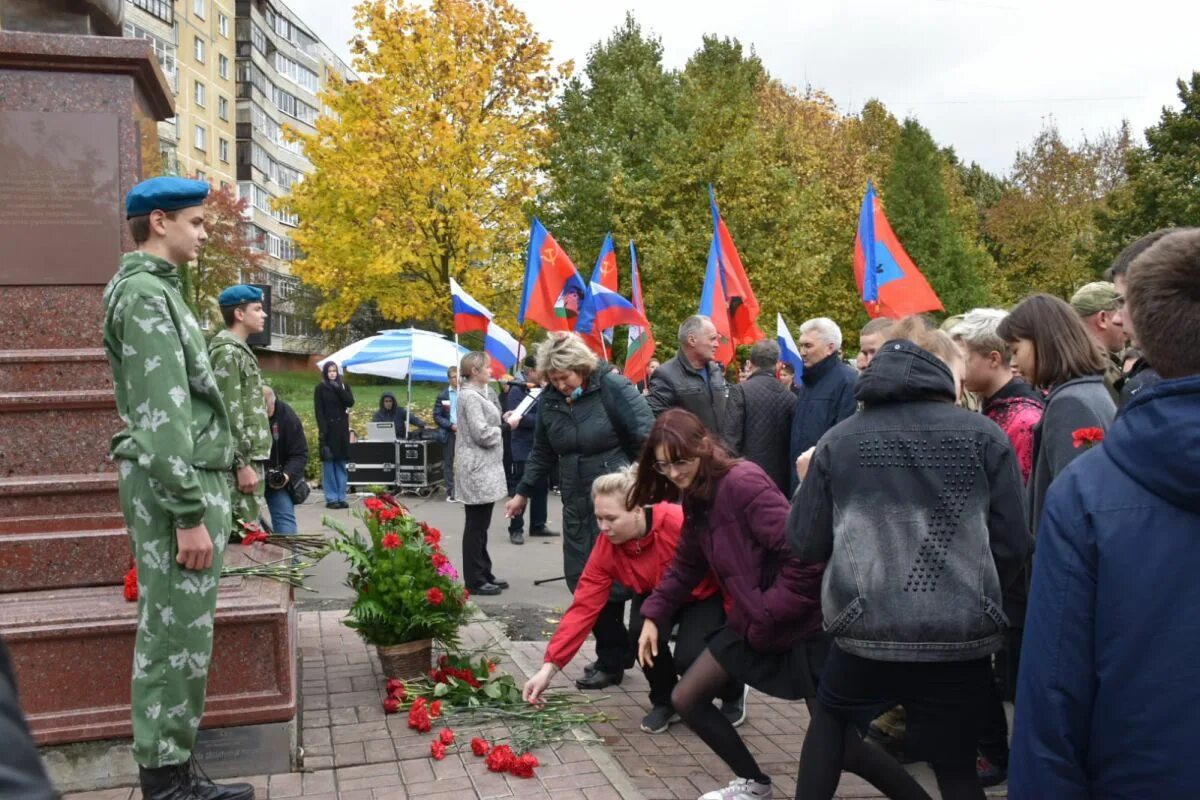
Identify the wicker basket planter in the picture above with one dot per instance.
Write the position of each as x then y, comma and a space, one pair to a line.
407, 660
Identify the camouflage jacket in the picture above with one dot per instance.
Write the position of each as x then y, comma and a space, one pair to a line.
175, 422
240, 381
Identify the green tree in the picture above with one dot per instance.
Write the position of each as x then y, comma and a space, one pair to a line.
226, 258
1162, 179
935, 220
1044, 224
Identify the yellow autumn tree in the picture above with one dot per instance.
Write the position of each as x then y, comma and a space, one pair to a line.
424, 162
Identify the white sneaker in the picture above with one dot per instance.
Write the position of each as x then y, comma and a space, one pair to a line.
740, 789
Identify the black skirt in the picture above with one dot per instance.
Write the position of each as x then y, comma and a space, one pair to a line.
790, 675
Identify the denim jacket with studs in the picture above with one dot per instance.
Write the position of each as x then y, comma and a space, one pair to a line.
918, 508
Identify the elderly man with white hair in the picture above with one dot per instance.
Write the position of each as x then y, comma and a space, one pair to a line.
826, 387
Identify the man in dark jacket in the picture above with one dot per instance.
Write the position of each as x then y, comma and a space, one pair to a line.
391, 411
1107, 693
758, 417
289, 456
692, 380
445, 415
522, 427
1142, 375
826, 388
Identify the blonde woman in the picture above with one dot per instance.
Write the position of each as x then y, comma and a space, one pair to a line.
591, 421
635, 547
479, 468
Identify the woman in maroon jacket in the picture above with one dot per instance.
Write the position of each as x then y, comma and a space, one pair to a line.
734, 525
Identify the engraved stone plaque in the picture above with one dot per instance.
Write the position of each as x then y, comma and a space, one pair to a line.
60, 212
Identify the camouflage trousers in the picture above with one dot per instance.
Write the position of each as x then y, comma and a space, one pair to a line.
176, 608
248, 507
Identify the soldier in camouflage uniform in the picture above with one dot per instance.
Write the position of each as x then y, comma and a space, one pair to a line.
240, 381
172, 456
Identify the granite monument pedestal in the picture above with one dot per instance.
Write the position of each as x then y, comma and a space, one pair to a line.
77, 130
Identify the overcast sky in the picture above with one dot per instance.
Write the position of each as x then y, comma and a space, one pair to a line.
983, 75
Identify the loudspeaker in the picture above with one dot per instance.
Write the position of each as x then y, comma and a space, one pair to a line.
262, 339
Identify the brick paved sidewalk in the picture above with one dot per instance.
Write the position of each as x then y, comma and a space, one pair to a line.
353, 751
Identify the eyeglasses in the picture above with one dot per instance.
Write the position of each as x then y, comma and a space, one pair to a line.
679, 464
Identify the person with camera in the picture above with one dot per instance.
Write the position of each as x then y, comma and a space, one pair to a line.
286, 487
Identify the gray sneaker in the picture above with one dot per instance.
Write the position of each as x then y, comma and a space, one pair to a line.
735, 710
659, 719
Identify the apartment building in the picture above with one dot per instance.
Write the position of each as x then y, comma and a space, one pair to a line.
241, 71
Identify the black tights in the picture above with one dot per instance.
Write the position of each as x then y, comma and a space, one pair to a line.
826, 753
693, 699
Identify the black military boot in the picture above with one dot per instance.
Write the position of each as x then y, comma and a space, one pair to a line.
166, 783
204, 789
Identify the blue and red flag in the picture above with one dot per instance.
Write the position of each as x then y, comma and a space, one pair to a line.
889, 282
607, 309
736, 313
553, 291
503, 350
605, 274
714, 305
469, 313
641, 339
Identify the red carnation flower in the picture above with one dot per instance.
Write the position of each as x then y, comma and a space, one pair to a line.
434, 596
446, 735
437, 750
501, 759
373, 504
249, 538
389, 514
396, 689
390, 541
418, 718
480, 746
433, 538
131, 587
390, 705
523, 767
435, 709
438, 559
1087, 437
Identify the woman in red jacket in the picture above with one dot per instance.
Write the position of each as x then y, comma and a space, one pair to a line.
735, 529
634, 548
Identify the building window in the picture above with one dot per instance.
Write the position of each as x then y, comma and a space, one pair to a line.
199, 49
164, 51
163, 9
198, 8
223, 150
296, 72
199, 94
201, 175
223, 67
200, 137
223, 24
222, 108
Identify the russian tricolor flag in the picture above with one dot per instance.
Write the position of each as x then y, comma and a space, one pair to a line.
502, 349
788, 352
469, 313
607, 309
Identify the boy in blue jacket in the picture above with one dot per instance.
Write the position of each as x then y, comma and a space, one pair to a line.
1109, 688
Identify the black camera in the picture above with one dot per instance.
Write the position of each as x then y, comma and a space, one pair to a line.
276, 478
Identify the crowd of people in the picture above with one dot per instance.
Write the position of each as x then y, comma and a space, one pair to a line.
1004, 508
886, 540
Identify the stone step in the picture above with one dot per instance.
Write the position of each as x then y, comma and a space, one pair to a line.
63, 559
47, 432
58, 370
56, 495
72, 650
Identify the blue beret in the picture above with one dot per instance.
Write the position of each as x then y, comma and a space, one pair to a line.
236, 295
164, 194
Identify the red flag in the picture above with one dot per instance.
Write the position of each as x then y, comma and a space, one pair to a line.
888, 281
553, 289
641, 340
739, 295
